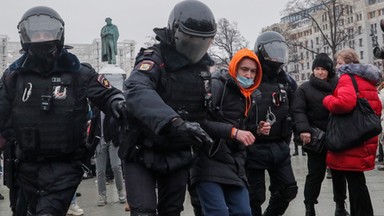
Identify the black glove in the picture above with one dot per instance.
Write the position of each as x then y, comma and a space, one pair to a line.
119, 109
192, 129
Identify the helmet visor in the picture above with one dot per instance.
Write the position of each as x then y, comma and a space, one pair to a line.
192, 47
40, 28
276, 51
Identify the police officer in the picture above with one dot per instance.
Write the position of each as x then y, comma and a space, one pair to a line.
271, 152
169, 90
44, 94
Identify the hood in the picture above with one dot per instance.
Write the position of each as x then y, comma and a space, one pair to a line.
366, 71
162, 35
232, 67
65, 62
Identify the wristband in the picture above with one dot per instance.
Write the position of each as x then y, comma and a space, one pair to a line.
237, 130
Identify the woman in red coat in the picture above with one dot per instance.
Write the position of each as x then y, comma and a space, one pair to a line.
353, 162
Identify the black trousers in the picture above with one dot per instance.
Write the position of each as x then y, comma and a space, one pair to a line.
316, 172
48, 187
17, 200
359, 197
141, 184
281, 177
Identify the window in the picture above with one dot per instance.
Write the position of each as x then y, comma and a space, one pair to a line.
382, 36
371, 2
361, 42
361, 54
302, 76
358, 17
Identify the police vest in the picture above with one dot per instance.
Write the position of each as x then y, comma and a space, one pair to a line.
187, 91
183, 90
274, 99
47, 115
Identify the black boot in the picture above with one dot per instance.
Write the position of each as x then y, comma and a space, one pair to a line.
295, 153
310, 209
340, 210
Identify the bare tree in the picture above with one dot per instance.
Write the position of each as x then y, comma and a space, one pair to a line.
227, 41
329, 19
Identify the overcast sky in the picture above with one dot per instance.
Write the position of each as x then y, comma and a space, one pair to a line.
136, 18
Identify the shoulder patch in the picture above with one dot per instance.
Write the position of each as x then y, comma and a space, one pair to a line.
103, 81
146, 65
148, 52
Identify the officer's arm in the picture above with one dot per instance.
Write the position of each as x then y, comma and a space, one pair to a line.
98, 89
143, 100
5, 100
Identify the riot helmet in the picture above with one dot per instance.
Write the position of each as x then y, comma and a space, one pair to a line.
192, 28
41, 31
272, 50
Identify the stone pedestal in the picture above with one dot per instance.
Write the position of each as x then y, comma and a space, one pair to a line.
111, 69
114, 74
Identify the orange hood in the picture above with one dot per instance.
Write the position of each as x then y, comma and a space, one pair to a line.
232, 70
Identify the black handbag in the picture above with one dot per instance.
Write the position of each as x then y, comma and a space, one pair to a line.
317, 140
346, 131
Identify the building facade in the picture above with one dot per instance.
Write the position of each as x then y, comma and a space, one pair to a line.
360, 20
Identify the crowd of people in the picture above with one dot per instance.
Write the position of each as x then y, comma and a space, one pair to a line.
177, 127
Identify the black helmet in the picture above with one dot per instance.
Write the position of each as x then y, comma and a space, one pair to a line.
192, 27
41, 24
271, 46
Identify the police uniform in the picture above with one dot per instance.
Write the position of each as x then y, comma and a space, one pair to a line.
162, 86
48, 111
271, 152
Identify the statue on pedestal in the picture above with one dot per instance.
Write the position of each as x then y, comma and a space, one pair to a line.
109, 35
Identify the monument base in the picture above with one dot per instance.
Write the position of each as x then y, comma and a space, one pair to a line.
111, 69
114, 74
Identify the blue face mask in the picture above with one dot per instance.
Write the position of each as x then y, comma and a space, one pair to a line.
244, 81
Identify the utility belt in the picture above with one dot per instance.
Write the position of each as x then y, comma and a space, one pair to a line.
167, 162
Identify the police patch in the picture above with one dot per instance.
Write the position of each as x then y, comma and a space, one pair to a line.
146, 65
103, 81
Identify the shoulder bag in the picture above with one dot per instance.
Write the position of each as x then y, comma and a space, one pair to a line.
346, 131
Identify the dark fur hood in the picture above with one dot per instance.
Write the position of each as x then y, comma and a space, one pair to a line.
65, 62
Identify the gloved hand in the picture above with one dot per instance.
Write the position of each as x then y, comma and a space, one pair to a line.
191, 128
119, 109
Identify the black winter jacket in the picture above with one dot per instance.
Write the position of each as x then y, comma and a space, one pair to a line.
161, 87
307, 107
224, 161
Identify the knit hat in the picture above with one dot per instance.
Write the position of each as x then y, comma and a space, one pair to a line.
323, 60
